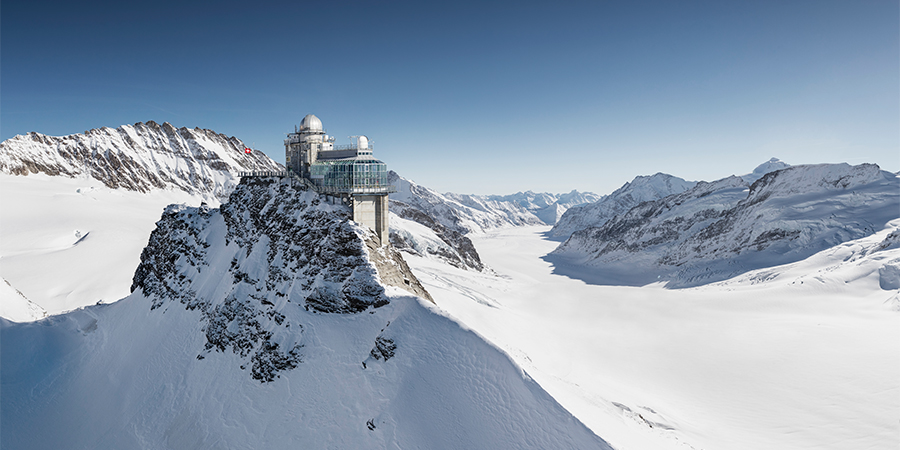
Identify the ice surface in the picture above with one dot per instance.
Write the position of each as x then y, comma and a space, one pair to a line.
802, 356
71, 242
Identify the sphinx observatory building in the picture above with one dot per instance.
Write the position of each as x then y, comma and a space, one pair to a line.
344, 173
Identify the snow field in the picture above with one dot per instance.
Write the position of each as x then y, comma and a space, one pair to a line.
122, 376
804, 360
69, 242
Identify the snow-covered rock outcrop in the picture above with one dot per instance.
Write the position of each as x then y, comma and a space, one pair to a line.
427, 223
267, 323
462, 213
717, 230
415, 232
641, 189
139, 157
273, 243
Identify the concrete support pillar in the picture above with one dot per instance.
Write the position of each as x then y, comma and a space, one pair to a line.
372, 211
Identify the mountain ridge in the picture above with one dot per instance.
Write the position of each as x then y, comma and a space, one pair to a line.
641, 188
141, 157
721, 229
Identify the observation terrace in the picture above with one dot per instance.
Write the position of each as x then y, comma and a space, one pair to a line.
350, 188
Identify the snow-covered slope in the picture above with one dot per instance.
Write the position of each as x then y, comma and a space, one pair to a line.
140, 157
718, 230
267, 324
642, 188
77, 210
793, 357
72, 242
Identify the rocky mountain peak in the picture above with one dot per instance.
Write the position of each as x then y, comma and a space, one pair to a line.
641, 188
140, 157
273, 246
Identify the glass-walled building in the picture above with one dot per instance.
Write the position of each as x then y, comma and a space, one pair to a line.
348, 174
351, 176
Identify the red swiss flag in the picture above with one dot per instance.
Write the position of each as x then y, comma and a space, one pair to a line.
247, 150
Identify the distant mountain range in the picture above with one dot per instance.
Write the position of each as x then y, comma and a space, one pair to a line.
714, 231
428, 223
546, 206
641, 189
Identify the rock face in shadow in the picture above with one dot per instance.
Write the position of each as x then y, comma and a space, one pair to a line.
393, 270
458, 251
721, 229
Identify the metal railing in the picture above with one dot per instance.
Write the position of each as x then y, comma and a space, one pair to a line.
263, 173
356, 190
322, 189
371, 147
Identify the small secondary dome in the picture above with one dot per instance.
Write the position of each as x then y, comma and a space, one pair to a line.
311, 123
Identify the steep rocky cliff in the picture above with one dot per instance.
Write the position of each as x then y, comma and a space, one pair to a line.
273, 244
138, 157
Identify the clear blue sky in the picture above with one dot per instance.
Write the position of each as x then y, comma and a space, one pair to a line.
478, 97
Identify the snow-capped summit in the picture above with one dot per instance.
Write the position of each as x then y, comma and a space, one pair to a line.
642, 188
721, 229
271, 322
815, 178
764, 168
139, 157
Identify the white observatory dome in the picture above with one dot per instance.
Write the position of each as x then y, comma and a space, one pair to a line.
362, 142
310, 123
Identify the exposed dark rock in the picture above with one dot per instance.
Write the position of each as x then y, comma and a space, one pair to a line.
465, 255
278, 246
384, 348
